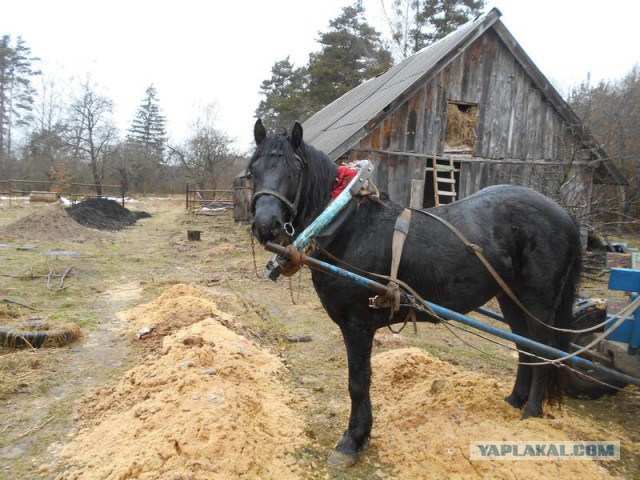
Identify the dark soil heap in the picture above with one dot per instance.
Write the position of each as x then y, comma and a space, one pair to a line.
104, 214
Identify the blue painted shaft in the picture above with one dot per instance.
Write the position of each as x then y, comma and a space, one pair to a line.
490, 313
322, 220
538, 348
341, 201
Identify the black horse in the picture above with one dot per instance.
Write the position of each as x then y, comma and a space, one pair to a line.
531, 242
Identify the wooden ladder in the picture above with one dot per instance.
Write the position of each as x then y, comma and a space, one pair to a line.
444, 180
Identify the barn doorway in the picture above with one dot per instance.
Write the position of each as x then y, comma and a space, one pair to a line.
441, 182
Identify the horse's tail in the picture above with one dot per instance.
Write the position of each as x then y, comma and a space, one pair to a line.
564, 317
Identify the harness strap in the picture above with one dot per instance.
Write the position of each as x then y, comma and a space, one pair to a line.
267, 191
400, 232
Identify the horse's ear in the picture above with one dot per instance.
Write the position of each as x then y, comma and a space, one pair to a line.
296, 136
259, 132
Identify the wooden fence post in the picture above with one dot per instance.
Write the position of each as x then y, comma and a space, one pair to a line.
123, 189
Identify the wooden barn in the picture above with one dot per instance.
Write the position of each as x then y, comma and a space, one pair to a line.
469, 111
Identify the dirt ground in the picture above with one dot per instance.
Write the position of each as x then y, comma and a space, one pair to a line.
184, 370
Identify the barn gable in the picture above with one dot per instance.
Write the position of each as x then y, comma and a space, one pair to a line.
469, 111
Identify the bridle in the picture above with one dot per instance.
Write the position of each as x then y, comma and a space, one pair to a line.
291, 206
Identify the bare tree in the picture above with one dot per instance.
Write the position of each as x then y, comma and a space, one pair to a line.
48, 107
400, 16
46, 148
91, 131
611, 111
206, 155
414, 24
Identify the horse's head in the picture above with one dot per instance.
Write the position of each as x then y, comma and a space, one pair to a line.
277, 169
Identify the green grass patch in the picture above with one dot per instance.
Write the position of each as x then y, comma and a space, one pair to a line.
84, 318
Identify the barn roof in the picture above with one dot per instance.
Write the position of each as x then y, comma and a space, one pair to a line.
343, 123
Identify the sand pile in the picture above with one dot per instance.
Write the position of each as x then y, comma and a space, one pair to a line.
177, 308
208, 405
428, 411
104, 214
50, 223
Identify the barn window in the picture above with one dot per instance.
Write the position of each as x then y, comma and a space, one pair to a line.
411, 131
462, 120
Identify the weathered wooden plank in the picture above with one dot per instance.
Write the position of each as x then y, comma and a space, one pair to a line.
499, 94
427, 126
417, 193
420, 110
398, 128
442, 112
387, 127
519, 113
484, 123
455, 77
381, 172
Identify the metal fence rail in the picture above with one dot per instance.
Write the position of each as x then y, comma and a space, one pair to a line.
75, 192
197, 196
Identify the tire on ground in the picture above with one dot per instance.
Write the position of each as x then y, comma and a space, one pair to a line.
589, 312
36, 333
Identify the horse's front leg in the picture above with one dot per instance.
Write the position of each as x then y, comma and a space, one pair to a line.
358, 337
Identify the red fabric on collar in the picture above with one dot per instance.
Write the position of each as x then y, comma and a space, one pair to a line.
345, 175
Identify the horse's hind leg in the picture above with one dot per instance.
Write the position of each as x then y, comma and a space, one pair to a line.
358, 338
518, 324
520, 393
533, 408
531, 381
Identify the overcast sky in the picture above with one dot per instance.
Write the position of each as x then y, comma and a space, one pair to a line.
202, 52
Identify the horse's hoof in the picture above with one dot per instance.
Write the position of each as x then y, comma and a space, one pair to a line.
341, 460
514, 401
533, 413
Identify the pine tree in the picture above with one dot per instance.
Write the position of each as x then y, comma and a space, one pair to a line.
16, 92
284, 94
146, 139
441, 17
148, 128
352, 51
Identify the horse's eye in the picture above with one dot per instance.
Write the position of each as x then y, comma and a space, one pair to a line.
249, 174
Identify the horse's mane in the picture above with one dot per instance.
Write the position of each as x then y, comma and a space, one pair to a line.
319, 173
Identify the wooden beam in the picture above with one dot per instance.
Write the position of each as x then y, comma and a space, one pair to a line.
471, 159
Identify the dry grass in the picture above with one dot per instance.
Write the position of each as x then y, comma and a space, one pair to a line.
461, 126
18, 372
